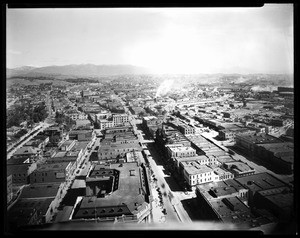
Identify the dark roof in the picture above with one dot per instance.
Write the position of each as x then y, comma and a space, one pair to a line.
129, 196
23, 210
260, 181
40, 190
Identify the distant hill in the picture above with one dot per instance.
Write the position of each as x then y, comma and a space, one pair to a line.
81, 70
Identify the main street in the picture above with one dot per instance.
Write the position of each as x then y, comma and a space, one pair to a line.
171, 200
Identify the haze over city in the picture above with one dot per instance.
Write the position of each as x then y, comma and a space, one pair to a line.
165, 40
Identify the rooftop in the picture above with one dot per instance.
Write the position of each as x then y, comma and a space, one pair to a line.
218, 189
260, 138
128, 198
237, 165
27, 150
52, 166
182, 149
260, 181
195, 168
22, 211
40, 190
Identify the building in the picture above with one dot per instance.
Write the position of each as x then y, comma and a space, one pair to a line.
232, 210
27, 152
119, 119
247, 142
114, 151
239, 169
52, 173
222, 189
186, 129
38, 141
279, 155
20, 172
176, 150
201, 159
84, 124
104, 123
259, 182
81, 135
67, 156
67, 145
118, 192
77, 116
151, 124
35, 206
221, 174
195, 174
29, 212
279, 201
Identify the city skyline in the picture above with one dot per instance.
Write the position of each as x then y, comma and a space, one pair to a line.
166, 40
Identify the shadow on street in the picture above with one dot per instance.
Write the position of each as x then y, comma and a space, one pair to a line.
191, 206
172, 184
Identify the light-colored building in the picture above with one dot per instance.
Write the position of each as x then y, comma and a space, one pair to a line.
180, 151
120, 119
103, 123
195, 174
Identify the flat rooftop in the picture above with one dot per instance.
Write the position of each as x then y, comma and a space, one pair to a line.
40, 190
181, 149
260, 138
195, 168
239, 166
22, 211
128, 198
260, 181
52, 166
213, 190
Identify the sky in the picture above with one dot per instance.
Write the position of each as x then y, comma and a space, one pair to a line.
165, 40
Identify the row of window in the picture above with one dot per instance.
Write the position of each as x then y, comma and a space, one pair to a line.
15, 175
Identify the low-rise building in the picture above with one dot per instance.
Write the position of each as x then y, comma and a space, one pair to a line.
28, 152
279, 201
35, 206
67, 145
119, 119
239, 169
186, 129
104, 123
195, 174
20, 172
129, 194
180, 151
52, 173
279, 155
114, 151
259, 182
80, 135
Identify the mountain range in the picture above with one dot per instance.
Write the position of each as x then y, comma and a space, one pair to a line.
81, 70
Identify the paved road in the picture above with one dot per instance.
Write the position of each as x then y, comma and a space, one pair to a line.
172, 201
173, 198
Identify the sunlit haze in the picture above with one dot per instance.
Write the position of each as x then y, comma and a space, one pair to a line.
178, 40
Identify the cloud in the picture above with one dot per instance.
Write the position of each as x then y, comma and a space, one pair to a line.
14, 52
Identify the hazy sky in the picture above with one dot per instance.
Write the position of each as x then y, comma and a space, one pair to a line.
172, 40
